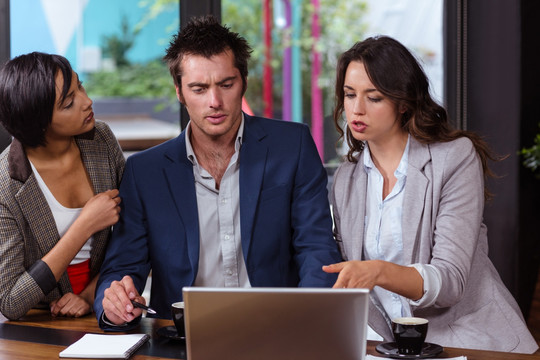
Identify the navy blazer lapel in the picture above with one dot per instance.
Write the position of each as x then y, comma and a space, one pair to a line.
179, 173
414, 198
252, 164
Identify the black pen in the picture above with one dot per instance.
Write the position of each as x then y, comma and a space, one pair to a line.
144, 307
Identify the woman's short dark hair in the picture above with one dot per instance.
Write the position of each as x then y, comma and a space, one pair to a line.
396, 73
28, 94
206, 37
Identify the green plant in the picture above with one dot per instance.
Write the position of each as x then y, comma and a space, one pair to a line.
116, 47
130, 80
148, 80
531, 156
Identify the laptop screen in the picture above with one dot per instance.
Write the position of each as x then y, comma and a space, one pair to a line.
275, 323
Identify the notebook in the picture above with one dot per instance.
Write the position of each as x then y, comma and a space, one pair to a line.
104, 346
275, 323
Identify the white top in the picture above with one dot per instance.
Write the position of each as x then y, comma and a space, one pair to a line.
63, 217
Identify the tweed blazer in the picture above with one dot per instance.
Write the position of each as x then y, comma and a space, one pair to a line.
442, 226
27, 227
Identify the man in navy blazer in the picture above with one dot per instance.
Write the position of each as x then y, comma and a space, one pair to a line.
235, 200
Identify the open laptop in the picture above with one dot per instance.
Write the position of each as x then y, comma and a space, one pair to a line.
275, 323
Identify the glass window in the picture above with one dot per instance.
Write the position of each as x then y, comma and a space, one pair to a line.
116, 48
297, 42
417, 24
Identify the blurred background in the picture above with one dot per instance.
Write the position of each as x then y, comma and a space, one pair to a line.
480, 56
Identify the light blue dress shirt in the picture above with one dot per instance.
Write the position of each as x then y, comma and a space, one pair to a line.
384, 238
383, 231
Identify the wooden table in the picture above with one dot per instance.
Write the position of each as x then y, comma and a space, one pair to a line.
40, 336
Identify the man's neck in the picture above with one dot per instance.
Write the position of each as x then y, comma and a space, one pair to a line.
214, 155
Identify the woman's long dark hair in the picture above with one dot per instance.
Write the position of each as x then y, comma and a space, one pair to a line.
396, 73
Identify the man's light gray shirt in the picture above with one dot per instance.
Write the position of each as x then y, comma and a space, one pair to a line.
221, 263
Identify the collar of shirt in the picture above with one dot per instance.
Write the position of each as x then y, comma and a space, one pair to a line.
400, 173
189, 148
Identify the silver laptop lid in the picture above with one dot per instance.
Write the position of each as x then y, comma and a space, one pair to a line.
275, 323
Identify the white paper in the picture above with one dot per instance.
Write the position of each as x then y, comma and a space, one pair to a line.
371, 357
105, 346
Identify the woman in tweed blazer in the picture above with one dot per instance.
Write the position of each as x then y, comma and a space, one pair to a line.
408, 207
59, 159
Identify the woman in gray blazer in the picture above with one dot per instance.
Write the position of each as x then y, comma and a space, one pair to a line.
408, 206
58, 197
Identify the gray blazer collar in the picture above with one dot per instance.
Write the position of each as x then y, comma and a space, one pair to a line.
413, 202
414, 199
18, 164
